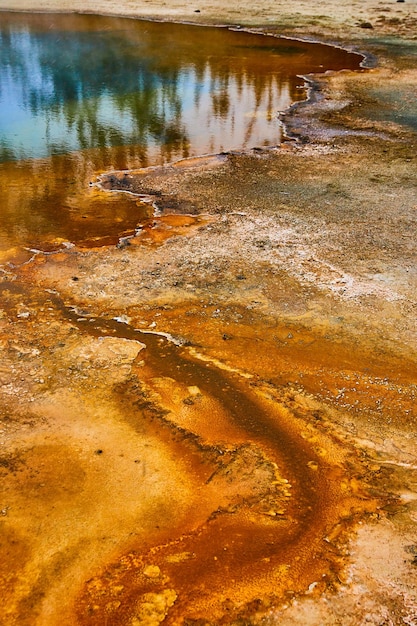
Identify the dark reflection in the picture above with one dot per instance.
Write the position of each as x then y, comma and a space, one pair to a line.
89, 93
47, 202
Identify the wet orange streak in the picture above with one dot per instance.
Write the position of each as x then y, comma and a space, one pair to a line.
258, 555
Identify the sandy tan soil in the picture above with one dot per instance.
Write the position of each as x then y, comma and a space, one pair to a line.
279, 487
321, 17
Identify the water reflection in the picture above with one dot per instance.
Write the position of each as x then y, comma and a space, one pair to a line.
79, 94
47, 201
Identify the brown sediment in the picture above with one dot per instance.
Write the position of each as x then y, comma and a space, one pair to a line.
277, 496
263, 541
179, 450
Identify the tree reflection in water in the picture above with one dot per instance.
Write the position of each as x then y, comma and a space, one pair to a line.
88, 93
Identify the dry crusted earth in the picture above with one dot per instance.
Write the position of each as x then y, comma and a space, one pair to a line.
214, 422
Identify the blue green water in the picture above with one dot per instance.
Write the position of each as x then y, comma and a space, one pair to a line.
79, 82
